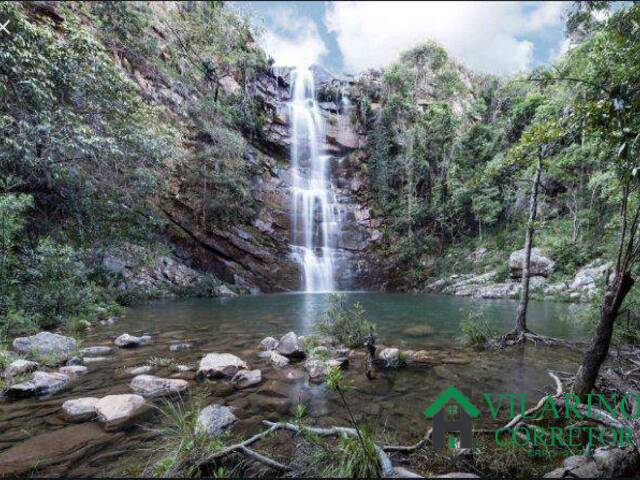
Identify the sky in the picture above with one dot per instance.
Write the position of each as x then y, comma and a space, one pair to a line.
350, 37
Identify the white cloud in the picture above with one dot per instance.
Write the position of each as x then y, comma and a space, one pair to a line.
293, 40
562, 48
483, 35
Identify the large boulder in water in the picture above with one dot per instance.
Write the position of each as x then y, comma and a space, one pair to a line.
96, 351
46, 344
150, 386
42, 383
289, 346
217, 365
539, 263
214, 419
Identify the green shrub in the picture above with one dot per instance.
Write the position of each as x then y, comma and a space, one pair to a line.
475, 329
357, 457
347, 323
77, 326
54, 285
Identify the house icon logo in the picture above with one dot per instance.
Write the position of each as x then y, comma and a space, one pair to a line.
455, 418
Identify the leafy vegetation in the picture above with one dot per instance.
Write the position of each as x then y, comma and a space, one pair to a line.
451, 152
90, 157
346, 323
475, 329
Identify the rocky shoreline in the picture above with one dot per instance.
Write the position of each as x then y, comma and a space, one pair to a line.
46, 365
583, 287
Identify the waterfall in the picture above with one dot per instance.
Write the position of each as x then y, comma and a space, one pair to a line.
313, 213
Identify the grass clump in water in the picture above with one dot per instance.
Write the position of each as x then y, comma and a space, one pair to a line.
476, 331
345, 322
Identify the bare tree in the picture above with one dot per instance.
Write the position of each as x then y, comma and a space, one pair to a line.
521, 315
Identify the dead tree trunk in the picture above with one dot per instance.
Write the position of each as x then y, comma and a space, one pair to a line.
521, 315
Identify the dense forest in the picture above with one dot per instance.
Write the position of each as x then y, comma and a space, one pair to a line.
98, 149
143, 153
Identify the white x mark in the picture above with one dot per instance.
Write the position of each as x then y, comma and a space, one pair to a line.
3, 27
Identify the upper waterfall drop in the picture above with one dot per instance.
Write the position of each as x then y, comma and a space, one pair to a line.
315, 217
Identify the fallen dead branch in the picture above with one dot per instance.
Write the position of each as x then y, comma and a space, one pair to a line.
409, 448
385, 463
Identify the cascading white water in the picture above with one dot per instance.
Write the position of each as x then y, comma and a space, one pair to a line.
314, 217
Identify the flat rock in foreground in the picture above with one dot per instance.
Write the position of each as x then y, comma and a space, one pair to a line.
65, 445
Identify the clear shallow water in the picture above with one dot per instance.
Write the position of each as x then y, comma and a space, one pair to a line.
393, 313
393, 402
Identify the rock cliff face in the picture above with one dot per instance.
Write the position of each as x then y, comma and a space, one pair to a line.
256, 256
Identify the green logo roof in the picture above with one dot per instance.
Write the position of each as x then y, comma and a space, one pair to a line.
449, 394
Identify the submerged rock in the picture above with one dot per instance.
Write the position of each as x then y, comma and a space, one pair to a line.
247, 378
119, 411
129, 341
422, 356
216, 365
62, 446
74, 370
96, 359
289, 346
268, 343
46, 344
139, 370
214, 419
41, 383
176, 347
151, 386
278, 360
418, 330
18, 367
96, 351
80, 409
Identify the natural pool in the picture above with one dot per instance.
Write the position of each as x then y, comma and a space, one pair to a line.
393, 402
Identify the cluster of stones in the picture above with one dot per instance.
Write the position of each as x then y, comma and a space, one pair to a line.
61, 350
317, 363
